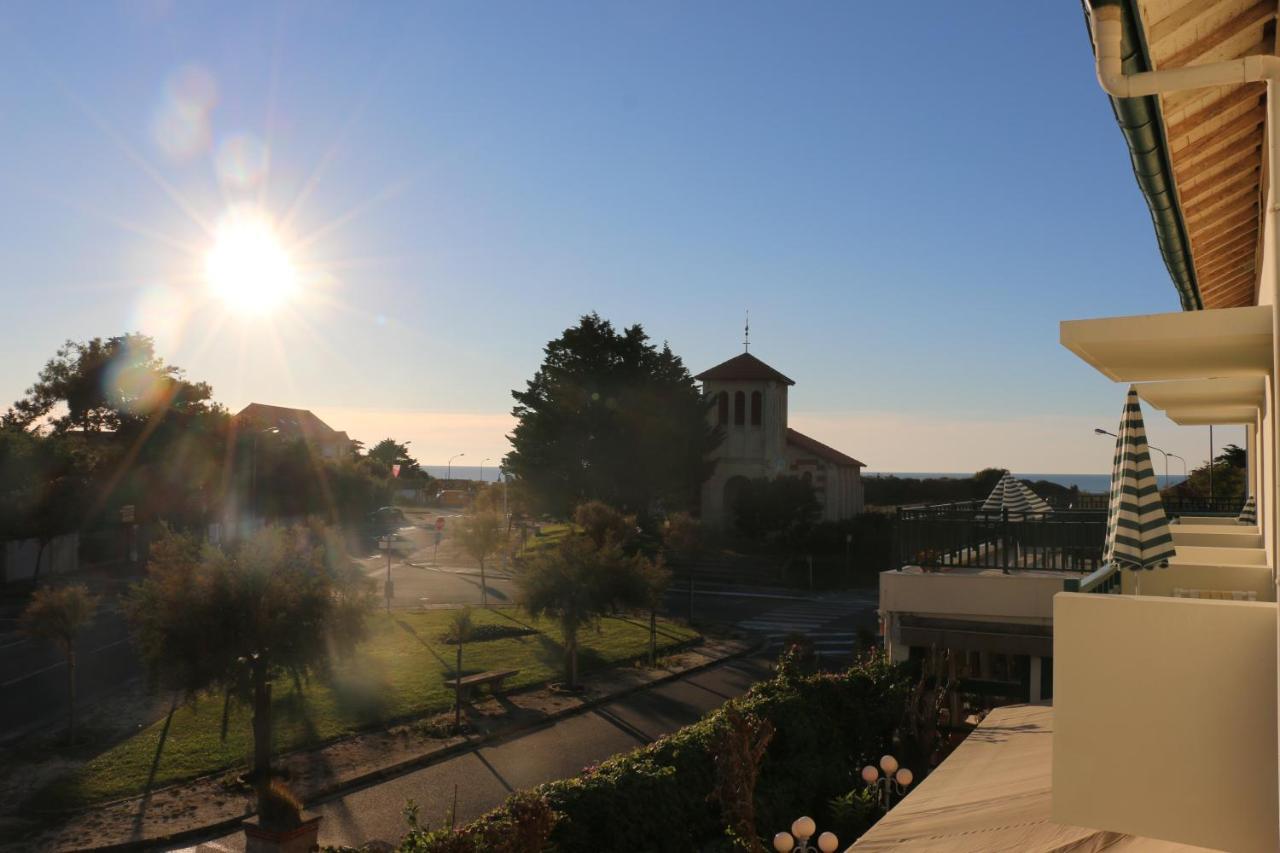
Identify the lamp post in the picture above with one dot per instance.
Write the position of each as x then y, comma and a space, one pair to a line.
1166, 463
797, 840
482, 461
895, 780
449, 469
1184, 465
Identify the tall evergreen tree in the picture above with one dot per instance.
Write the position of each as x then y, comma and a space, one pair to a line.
611, 417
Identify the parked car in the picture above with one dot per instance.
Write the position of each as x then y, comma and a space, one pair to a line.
387, 519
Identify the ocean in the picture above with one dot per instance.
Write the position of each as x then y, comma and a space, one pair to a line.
1092, 483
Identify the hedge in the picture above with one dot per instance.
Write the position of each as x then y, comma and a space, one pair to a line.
827, 726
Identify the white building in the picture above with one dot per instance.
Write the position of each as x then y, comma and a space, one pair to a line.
751, 407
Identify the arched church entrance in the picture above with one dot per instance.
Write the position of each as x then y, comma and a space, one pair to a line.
733, 489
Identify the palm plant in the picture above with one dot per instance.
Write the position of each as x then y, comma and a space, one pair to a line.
575, 584
59, 614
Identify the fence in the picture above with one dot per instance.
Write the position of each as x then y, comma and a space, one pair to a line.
962, 535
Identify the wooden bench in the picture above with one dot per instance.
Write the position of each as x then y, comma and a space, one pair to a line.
493, 678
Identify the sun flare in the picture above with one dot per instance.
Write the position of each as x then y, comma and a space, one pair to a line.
248, 267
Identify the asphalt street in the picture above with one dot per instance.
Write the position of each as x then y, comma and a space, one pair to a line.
484, 777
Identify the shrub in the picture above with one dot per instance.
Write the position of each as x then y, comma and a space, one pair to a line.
480, 633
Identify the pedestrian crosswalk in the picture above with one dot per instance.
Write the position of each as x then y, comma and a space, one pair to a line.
829, 624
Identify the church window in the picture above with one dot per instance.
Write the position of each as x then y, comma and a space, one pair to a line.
739, 408
757, 408
722, 408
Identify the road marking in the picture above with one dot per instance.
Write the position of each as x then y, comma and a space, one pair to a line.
59, 664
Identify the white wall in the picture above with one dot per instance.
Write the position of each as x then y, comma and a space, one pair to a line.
1165, 719
18, 558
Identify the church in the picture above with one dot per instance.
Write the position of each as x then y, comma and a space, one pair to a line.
750, 405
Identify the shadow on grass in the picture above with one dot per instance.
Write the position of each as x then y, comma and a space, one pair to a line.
644, 626
408, 629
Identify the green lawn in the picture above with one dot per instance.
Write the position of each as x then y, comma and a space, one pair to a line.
552, 535
397, 673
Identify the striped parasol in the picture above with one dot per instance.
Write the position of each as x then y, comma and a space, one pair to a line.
1013, 495
1137, 529
1249, 513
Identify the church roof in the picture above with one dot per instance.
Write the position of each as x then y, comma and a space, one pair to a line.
817, 448
744, 367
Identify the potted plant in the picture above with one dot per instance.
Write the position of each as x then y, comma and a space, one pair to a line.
281, 824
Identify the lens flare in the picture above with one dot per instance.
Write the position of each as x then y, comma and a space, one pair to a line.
248, 268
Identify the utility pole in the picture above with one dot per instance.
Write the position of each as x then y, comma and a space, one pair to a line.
389, 586
1210, 467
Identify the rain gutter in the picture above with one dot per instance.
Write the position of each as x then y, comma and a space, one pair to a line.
1142, 124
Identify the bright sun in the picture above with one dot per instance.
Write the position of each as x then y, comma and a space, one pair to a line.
248, 268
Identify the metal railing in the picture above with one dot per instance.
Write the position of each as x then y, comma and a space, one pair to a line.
1174, 505
961, 535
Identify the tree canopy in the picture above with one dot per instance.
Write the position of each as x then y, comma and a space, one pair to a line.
391, 452
112, 385
281, 602
610, 416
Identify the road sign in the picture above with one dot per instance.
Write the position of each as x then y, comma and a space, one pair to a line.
440, 522
127, 514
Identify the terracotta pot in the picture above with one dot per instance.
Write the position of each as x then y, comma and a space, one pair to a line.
302, 838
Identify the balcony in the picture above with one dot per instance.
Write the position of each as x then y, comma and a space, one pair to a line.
961, 535
1164, 718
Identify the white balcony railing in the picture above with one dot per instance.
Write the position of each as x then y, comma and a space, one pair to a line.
1165, 718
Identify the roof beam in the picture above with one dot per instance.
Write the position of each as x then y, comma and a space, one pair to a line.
1231, 215
1233, 99
1209, 257
1176, 20
1209, 239
1230, 284
1256, 14
1239, 156
1217, 189
1229, 132
1226, 195
1248, 142
1227, 264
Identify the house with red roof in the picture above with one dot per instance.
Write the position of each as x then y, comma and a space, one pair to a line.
751, 407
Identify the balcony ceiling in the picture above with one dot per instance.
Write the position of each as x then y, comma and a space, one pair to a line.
1215, 136
1192, 402
1226, 343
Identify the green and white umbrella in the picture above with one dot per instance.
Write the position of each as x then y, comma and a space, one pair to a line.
1137, 529
1249, 513
1013, 495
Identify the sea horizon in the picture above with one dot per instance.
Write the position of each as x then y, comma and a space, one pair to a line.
1091, 483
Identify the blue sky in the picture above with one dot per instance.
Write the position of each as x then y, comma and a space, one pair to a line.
907, 200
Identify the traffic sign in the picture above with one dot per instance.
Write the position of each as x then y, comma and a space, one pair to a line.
440, 522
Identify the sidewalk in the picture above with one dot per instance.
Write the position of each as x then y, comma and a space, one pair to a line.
214, 805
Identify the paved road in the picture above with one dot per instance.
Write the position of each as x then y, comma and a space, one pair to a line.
485, 777
36, 671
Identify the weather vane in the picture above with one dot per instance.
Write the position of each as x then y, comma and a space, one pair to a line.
746, 331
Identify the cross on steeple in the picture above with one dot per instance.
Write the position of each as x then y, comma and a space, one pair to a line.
746, 331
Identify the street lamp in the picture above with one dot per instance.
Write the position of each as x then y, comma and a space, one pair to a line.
482, 461
895, 780
1184, 464
1166, 463
801, 831
449, 476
